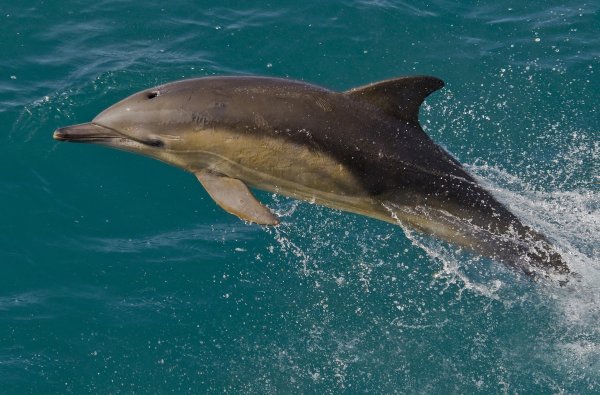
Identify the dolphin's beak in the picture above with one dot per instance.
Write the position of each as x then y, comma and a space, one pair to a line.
85, 133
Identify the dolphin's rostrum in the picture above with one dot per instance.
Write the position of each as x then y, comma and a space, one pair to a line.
361, 151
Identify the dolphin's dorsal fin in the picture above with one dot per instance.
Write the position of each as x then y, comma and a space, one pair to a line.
399, 97
235, 198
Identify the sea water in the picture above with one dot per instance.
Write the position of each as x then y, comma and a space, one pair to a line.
118, 273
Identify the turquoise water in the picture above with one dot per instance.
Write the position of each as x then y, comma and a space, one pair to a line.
120, 275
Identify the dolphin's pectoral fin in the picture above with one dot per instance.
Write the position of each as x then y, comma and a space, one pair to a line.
235, 198
399, 97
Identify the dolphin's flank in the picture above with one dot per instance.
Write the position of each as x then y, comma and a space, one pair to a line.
361, 151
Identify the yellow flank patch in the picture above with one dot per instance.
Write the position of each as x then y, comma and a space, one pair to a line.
275, 165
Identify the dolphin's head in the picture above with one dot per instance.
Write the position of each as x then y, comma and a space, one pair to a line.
140, 118
150, 122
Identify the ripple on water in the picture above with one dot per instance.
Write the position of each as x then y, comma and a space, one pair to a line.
201, 241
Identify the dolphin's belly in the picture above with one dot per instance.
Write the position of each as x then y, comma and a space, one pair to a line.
280, 166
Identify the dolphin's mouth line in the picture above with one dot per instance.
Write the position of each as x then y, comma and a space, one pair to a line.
95, 133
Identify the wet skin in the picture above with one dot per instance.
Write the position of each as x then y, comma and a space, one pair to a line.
361, 151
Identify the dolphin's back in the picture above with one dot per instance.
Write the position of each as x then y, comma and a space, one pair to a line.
373, 130
356, 127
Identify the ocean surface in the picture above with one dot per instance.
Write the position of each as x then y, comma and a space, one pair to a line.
118, 273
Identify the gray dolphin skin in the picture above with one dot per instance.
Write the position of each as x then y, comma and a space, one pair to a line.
361, 151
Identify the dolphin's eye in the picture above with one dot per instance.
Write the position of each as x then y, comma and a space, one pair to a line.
155, 143
152, 95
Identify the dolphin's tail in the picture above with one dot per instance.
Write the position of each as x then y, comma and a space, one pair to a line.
504, 239
537, 253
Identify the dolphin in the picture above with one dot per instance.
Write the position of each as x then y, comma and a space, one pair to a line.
361, 151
